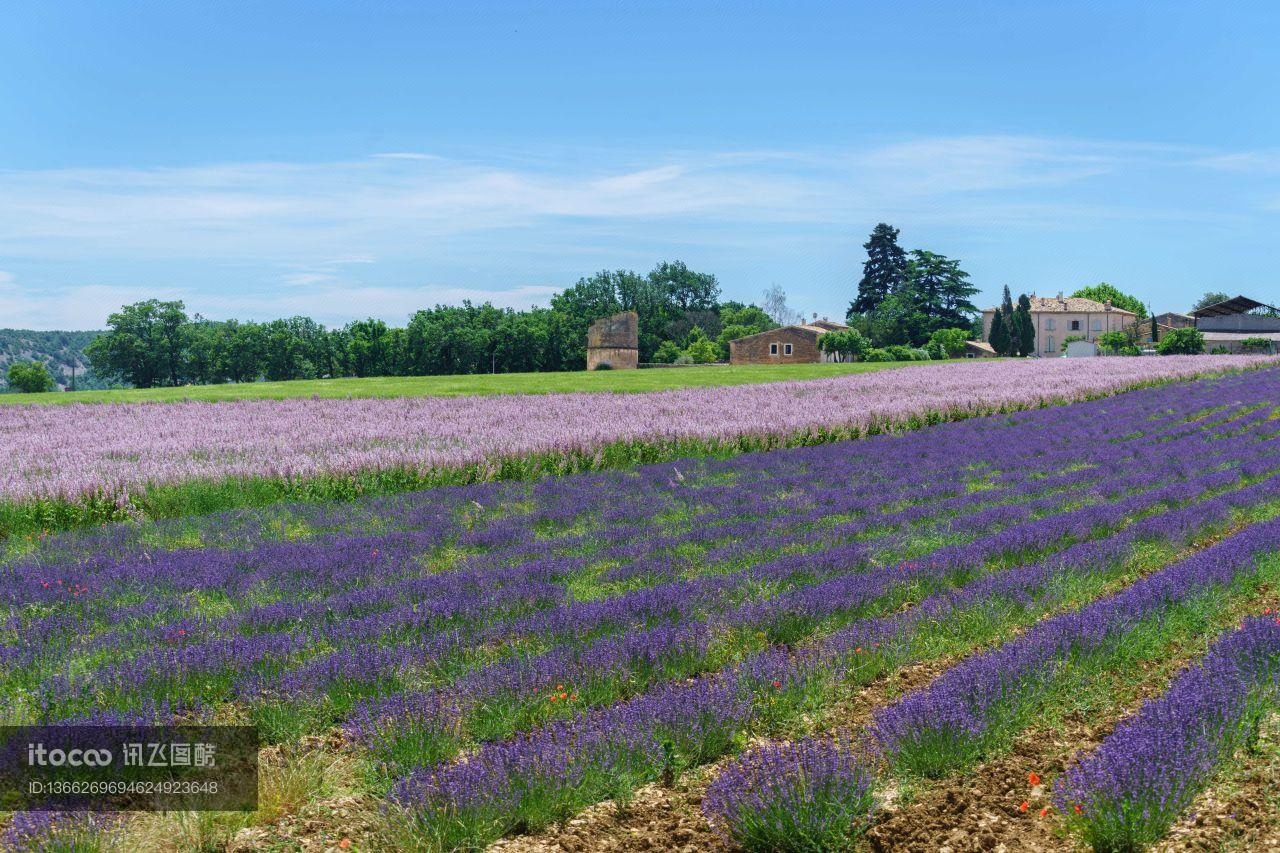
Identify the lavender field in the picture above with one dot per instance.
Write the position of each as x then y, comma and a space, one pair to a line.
112, 455
852, 645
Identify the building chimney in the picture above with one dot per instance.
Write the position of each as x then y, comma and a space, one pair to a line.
815, 315
1106, 306
1061, 298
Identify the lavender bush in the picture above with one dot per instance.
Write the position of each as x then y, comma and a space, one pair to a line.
810, 795
1152, 766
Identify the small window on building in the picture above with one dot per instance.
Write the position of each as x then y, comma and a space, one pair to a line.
1075, 325
1048, 346
786, 349
773, 349
1096, 324
1048, 323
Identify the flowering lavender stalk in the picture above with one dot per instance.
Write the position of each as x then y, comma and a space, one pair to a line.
1124, 795
808, 796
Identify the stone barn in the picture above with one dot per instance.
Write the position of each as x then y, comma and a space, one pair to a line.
614, 341
787, 345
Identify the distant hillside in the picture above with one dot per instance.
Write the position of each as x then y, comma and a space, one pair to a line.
60, 351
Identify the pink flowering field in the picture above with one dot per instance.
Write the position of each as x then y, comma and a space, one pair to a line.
69, 453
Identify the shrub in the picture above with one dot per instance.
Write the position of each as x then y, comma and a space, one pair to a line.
1219, 351
850, 343
811, 795
701, 349
667, 353
604, 365
898, 352
1189, 341
1113, 341
30, 377
950, 341
1255, 345
1070, 339
877, 354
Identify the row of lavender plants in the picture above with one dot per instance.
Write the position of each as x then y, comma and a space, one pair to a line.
960, 716
464, 622
177, 653
817, 794
104, 456
1126, 794
521, 782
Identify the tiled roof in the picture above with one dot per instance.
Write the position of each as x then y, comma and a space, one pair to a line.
1071, 305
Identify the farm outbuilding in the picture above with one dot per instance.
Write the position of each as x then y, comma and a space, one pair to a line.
1228, 324
786, 345
614, 342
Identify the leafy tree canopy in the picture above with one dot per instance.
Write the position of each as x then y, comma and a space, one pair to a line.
1189, 341
29, 377
1102, 291
1211, 297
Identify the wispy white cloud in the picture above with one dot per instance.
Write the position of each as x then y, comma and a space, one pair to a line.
358, 237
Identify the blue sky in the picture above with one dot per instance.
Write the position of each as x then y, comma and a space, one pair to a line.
351, 159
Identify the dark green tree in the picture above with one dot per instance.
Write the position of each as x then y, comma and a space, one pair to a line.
999, 336
144, 345
940, 289
883, 273
897, 320
685, 289
1026, 342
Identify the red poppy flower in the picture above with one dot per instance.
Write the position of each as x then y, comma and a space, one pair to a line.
1078, 809
1044, 812
1025, 805
1033, 779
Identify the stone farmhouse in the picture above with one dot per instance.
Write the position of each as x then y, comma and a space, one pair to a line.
787, 345
1059, 317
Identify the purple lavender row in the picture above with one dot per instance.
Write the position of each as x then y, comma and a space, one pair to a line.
262, 569
494, 773
243, 527
355, 664
953, 720
372, 664
646, 655
1126, 794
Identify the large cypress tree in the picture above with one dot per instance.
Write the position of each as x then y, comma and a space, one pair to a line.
883, 273
999, 337
1026, 328
1006, 312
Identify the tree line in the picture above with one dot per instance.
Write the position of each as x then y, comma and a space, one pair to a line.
156, 343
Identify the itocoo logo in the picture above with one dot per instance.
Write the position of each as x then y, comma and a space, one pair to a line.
40, 756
